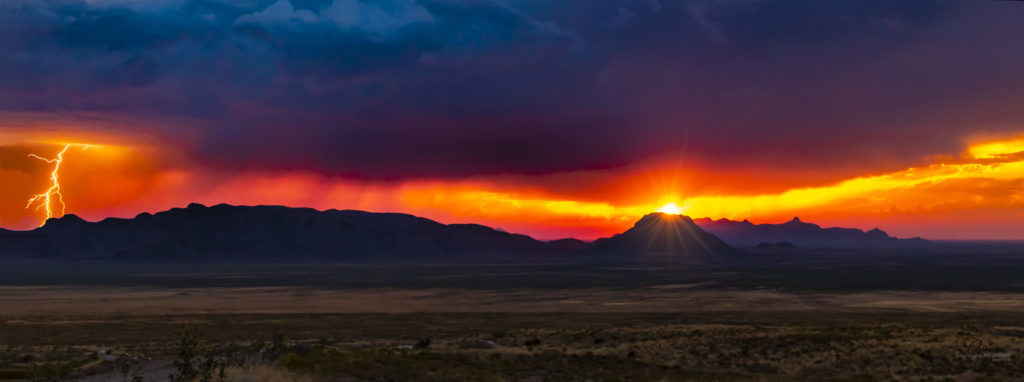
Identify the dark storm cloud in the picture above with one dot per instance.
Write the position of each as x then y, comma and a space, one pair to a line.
398, 88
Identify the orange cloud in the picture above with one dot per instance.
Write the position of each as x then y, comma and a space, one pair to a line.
977, 195
989, 178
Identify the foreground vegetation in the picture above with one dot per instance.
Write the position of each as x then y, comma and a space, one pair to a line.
583, 347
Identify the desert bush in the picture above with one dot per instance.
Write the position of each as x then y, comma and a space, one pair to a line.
195, 360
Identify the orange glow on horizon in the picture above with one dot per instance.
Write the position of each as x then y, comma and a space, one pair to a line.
866, 192
928, 190
986, 182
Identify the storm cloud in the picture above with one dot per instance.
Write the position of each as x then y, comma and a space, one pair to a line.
393, 89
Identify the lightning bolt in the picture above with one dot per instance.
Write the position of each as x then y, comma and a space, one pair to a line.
52, 197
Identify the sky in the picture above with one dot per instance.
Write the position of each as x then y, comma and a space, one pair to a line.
550, 118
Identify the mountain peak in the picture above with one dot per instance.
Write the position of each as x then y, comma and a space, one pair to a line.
68, 222
65, 220
659, 218
663, 233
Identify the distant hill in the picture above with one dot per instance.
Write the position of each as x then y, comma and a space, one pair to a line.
225, 232
778, 246
745, 234
569, 244
660, 233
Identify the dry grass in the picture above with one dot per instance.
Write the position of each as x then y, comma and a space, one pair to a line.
264, 373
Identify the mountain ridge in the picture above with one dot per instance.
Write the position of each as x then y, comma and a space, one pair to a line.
802, 234
278, 233
267, 232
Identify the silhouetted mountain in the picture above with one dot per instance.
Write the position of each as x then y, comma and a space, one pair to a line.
777, 246
747, 234
225, 232
275, 233
15, 243
569, 244
660, 233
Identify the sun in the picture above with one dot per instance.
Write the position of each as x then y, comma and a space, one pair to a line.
671, 208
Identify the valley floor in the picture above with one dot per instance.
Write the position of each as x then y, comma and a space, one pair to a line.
32, 305
507, 323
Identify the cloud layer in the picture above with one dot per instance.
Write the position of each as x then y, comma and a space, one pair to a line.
394, 89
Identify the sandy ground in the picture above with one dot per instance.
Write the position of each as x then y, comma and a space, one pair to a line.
63, 301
